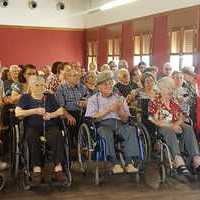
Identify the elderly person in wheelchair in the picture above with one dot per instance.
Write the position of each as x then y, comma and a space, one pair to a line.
166, 114
111, 114
40, 114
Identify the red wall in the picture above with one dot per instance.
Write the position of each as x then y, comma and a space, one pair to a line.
39, 47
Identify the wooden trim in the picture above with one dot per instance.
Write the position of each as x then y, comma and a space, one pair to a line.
143, 17
41, 28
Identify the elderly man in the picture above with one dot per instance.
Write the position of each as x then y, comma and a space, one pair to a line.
111, 112
166, 71
70, 96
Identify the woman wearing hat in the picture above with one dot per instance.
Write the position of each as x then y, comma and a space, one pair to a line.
111, 112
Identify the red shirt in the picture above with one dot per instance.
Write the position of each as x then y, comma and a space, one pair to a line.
171, 114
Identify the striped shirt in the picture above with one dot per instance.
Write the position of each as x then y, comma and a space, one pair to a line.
98, 103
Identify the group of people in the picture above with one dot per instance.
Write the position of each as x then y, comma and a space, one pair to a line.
167, 103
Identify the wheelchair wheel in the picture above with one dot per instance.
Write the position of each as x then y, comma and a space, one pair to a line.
162, 173
15, 152
2, 181
25, 177
67, 166
145, 140
84, 146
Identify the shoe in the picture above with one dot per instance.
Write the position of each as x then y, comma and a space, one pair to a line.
131, 169
59, 177
117, 169
36, 178
3, 165
182, 170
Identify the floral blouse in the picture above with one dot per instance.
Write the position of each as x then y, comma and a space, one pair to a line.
52, 83
160, 111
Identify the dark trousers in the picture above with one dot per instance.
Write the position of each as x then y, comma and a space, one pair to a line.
54, 145
73, 130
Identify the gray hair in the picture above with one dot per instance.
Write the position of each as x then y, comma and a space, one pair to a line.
166, 82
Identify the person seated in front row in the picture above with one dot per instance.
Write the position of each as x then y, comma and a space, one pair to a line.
71, 96
166, 114
112, 113
38, 108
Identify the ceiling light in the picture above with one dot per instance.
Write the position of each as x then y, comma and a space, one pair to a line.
3, 3
115, 3
60, 5
32, 4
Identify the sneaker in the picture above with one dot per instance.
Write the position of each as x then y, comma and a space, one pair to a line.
131, 169
36, 178
59, 177
117, 169
3, 165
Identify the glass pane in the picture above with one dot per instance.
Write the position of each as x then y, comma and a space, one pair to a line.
146, 40
175, 41
89, 60
110, 58
95, 47
110, 47
175, 62
188, 40
137, 44
187, 60
116, 59
146, 59
89, 48
136, 60
116, 47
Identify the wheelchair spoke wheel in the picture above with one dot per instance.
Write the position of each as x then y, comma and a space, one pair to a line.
84, 146
2, 181
145, 141
15, 154
25, 182
162, 173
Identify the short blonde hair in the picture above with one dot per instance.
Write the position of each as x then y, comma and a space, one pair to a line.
121, 73
92, 66
13, 67
104, 67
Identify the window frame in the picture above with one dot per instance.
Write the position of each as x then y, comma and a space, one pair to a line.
141, 54
181, 53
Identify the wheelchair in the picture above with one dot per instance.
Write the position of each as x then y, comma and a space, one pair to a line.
20, 157
91, 148
166, 161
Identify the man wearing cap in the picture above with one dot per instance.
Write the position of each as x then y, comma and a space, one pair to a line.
111, 112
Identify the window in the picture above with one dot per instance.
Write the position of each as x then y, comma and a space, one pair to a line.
92, 52
142, 48
182, 48
114, 50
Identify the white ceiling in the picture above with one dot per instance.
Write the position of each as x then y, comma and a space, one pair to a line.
76, 13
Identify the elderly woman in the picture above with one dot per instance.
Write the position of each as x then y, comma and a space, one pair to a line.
21, 87
181, 93
90, 83
40, 113
135, 76
124, 86
142, 96
166, 114
112, 113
